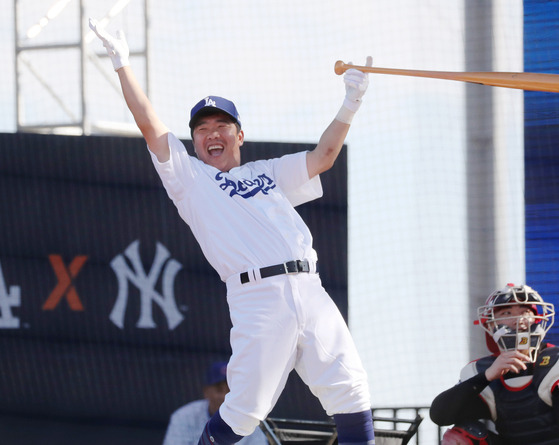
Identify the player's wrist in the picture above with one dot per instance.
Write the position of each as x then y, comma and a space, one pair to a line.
347, 111
119, 62
352, 104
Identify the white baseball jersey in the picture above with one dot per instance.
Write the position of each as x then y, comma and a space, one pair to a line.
236, 216
245, 219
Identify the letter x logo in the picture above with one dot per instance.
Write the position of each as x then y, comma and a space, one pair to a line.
65, 286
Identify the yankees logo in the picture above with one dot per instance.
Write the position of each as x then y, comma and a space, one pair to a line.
246, 188
145, 282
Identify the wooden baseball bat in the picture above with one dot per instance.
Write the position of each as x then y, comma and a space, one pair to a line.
522, 81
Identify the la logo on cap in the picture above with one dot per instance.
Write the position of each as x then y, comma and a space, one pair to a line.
209, 102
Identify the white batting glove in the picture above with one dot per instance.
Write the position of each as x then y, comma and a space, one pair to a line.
117, 48
356, 83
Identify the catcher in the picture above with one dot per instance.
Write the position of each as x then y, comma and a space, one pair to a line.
510, 397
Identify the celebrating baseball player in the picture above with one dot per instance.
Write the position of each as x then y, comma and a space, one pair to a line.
244, 219
516, 388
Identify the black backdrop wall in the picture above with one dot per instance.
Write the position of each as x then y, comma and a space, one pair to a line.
109, 313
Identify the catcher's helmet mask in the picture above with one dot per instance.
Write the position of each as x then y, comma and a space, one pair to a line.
527, 332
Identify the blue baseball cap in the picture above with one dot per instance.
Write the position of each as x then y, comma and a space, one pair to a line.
217, 372
209, 105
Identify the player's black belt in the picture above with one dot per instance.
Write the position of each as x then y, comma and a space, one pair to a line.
295, 266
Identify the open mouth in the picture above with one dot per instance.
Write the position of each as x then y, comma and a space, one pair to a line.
215, 150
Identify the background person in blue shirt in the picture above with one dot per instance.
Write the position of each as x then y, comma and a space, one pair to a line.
187, 422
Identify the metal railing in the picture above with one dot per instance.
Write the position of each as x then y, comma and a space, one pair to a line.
409, 425
412, 411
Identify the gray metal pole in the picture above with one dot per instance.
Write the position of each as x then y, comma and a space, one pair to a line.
85, 124
480, 156
16, 72
146, 44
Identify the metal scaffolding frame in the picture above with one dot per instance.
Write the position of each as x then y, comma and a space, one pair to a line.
78, 122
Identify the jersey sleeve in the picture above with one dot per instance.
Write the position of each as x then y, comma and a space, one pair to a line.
292, 176
176, 173
550, 382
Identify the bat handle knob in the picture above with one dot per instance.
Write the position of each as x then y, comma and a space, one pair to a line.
340, 67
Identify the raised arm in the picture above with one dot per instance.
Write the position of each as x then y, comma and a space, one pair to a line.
328, 148
151, 127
